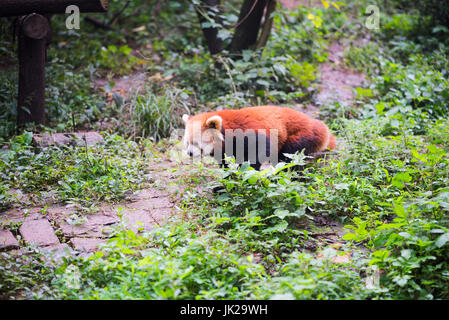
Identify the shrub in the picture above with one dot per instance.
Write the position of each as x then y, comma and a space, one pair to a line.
437, 9
306, 276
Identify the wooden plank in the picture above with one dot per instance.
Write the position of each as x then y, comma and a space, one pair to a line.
10, 8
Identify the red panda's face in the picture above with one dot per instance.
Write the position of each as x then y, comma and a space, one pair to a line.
201, 133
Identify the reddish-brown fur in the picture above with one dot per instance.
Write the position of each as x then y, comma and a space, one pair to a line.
295, 129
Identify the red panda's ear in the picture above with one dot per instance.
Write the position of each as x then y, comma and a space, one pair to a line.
214, 122
185, 118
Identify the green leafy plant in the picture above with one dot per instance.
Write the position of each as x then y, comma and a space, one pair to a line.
172, 263
118, 60
83, 174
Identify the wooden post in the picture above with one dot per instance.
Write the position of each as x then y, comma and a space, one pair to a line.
33, 30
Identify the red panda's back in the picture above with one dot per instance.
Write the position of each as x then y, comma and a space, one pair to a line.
256, 118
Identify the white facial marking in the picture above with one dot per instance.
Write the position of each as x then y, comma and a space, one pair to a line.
201, 143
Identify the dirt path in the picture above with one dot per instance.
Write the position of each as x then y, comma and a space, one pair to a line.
337, 83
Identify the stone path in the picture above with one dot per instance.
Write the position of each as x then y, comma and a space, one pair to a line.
53, 227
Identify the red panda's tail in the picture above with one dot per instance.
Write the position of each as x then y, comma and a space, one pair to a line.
332, 143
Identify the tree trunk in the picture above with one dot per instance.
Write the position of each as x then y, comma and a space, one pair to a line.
268, 23
245, 36
213, 42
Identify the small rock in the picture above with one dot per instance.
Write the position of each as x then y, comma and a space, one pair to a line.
7, 240
76, 138
87, 244
58, 251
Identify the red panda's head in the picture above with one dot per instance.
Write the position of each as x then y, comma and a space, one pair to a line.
202, 132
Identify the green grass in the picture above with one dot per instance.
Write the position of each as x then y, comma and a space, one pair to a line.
83, 175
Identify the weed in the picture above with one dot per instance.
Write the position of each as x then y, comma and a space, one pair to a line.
157, 116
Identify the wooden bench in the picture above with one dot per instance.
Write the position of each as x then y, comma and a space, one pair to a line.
33, 29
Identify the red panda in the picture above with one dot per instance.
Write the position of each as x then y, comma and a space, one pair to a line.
279, 130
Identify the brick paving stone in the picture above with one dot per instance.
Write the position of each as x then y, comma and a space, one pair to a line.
162, 214
152, 203
93, 227
59, 212
76, 138
150, 193
7, 240
100, 219
70, 231
38, 232
87, 244
136, 220
20, 215
58, 251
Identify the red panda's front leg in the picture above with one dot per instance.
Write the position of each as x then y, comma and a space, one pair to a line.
297, 143
246, 146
